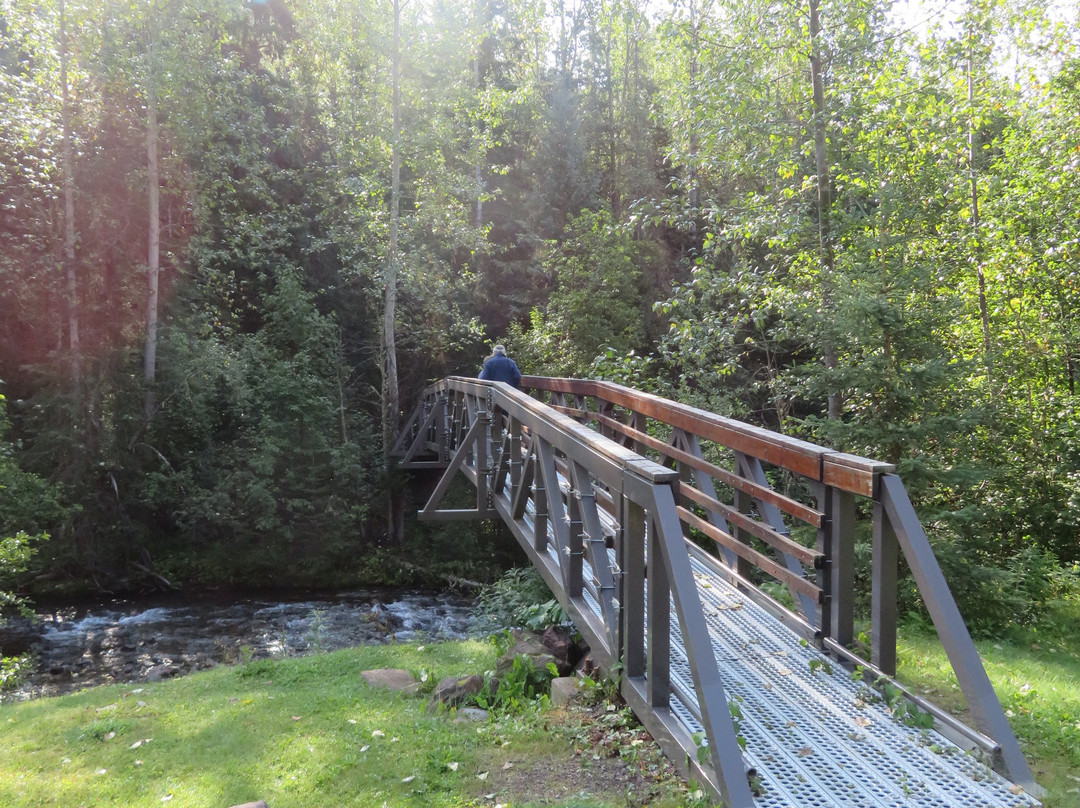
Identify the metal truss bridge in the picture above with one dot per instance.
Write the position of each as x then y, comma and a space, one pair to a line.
615, 494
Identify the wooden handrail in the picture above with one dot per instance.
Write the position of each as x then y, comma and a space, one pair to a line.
838, 469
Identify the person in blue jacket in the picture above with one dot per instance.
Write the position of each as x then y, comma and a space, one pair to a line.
501, 368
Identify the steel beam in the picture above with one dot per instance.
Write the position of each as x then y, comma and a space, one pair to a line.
974, 683
724, 750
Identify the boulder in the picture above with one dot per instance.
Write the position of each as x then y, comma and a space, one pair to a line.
391, 679
159, 672
528, 645
564, 690
18, 635
559, 640
453, 690
259, 804
467, 714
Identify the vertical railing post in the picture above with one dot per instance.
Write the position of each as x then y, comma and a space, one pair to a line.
540, 499
631, 559
481, 454
744, 503
822, 614
606, 408
640, 423
883, 592
574, 576
515, 455
840, 561
658, 652
581, 403
443, 427
495, 447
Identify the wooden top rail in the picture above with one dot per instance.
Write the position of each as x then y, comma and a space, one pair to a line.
843, 471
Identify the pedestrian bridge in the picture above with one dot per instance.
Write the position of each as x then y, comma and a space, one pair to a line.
674, 538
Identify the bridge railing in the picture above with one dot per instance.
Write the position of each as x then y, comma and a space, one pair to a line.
602, 484
752, 524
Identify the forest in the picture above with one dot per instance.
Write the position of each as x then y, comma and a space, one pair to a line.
238, 237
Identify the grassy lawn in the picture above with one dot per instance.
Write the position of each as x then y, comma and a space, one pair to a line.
1036, 673
309, 732
303, 732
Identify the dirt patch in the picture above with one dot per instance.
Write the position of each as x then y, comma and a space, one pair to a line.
606, 758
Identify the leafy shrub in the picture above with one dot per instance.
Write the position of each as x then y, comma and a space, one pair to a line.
519, 688
13, 670
993, 597
520, 598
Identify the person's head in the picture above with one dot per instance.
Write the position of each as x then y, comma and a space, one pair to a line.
499, 350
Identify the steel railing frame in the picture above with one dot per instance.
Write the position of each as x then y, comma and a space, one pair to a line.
565, 494
518, 450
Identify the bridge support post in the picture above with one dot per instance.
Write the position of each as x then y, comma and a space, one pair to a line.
631, 558
575, 543
515, 455
840, 558
659, 631
883, 593
540, 501
483, 458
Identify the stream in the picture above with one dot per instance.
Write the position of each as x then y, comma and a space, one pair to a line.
149, 640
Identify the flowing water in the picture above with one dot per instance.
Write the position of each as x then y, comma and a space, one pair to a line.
130, 641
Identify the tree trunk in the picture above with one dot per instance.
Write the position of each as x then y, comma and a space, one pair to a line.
71, 282
824, 200
613, 158
477, 168
976, 255
391, 394
692, 197
153, 258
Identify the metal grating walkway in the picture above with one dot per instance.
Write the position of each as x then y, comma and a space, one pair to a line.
817, 739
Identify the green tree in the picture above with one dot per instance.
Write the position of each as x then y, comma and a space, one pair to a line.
597, 302
29, 509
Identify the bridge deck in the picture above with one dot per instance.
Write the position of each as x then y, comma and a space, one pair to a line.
815, 736
693, 638
823, 739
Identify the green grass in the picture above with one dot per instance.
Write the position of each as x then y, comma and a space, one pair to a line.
295, 732
1036, 672
304, 733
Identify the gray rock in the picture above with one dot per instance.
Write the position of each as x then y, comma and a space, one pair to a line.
560, 642
18, 635
530, 647
259, 804
453, 690
467, 714
391, 679
159, 672
564, 690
